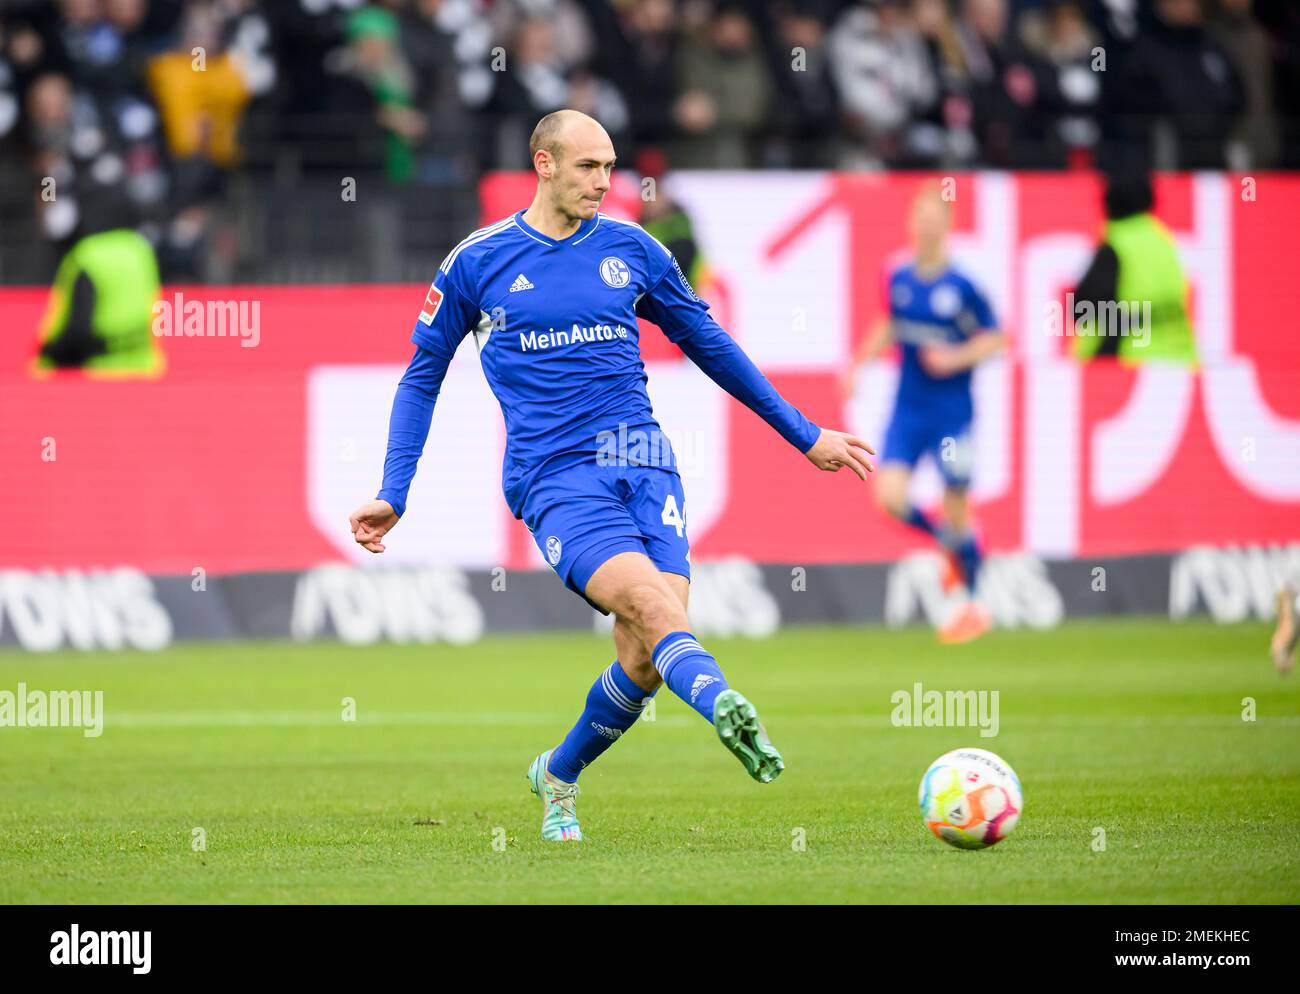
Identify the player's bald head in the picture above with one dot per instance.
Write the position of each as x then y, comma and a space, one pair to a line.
573, 158
563, 131
931, 195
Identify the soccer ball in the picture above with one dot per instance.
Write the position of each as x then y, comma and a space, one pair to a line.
970, 798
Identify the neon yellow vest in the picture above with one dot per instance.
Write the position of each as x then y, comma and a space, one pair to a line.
124, 270
670, 228
1153, 287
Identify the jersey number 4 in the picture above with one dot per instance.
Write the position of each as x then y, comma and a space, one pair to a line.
672, 517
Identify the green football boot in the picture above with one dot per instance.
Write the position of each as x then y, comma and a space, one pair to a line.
559, 819
741, 732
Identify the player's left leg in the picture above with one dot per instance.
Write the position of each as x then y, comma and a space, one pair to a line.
971, 619
637, 593
953, 453
657, 501
959, 536
1287, 632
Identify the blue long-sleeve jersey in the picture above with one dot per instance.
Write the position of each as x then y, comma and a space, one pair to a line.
944, 309
555, 324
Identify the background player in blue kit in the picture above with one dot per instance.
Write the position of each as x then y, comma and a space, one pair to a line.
551, 296
944, 327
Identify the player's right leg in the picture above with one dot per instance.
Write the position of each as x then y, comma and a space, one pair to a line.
614, 703
905, 441
893, 481
642, 599
577, 521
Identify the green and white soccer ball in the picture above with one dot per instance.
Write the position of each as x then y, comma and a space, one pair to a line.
971, 798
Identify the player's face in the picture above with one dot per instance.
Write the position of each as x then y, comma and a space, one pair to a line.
929, 223
582, 175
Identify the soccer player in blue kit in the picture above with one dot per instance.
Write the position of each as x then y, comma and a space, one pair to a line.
944, 327
551, 295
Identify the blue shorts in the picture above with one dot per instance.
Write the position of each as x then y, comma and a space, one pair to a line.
582, 516
949, 443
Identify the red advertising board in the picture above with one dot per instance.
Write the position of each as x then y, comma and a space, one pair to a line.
248, 456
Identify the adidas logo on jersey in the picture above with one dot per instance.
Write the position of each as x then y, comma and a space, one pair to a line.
701, 681
520, 283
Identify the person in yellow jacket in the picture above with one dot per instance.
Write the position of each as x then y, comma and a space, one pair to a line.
201, 90
1132, 301
100, 313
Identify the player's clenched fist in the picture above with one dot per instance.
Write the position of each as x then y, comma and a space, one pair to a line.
834, 449
372, 521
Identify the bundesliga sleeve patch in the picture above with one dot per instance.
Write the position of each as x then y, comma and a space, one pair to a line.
432, 301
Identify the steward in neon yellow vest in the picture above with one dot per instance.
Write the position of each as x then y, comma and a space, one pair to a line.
100, 314
1135, 292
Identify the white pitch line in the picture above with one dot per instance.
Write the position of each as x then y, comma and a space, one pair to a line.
322, 719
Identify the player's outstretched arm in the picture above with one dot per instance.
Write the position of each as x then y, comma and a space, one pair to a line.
685, 320
725, 362
408, 430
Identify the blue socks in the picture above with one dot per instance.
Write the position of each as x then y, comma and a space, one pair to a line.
615, 702
968, 554
613, 705
963, 545
917, 519
690, 672
967, 550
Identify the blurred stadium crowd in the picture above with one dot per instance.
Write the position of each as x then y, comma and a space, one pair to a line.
224, 126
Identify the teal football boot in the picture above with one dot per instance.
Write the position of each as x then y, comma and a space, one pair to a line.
559, 819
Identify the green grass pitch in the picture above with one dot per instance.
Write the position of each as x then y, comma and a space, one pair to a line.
1132, 727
